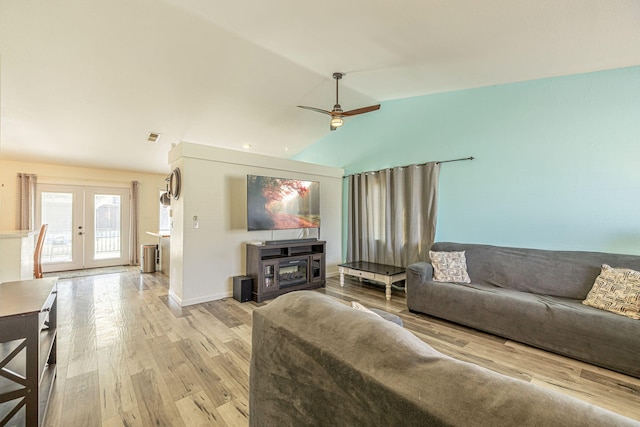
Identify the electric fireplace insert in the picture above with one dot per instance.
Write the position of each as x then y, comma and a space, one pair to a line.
292, 272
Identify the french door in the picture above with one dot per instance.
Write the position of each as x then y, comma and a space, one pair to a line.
88, 226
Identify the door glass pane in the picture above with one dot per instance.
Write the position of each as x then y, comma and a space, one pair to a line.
57, 211
107, 226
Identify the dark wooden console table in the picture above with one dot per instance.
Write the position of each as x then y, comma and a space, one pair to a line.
28, 320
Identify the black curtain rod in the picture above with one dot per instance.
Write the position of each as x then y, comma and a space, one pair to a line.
421, 164
454, 160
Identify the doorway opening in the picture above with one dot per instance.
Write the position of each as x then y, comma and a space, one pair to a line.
88, 226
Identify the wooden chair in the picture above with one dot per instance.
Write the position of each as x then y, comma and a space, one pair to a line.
37, 254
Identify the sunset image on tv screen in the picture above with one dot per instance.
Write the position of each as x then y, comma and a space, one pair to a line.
282, 203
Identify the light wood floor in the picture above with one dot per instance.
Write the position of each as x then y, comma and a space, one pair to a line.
128, 356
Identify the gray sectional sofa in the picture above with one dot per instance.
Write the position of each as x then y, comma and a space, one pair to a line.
318, 362
534, 297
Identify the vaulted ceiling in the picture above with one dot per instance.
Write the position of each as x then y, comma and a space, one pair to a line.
84, 82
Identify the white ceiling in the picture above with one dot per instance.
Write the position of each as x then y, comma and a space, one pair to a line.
82, 82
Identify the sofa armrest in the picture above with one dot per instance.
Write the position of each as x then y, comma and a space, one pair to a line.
420, 272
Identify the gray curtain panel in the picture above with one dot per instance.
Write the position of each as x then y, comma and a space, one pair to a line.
392, 214
26, 198
133, 252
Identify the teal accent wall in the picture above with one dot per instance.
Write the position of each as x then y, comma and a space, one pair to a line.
557, 160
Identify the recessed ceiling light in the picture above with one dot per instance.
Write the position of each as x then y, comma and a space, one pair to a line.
286, 148
153, 137
246, 146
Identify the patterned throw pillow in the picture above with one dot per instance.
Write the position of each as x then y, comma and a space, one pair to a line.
449, 267
616, 290
360, 307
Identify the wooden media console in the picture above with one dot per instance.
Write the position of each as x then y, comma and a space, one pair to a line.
280, 268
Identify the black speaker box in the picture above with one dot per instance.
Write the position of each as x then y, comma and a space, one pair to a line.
242, 288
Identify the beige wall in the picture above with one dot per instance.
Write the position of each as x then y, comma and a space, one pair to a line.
214, 188
149, 186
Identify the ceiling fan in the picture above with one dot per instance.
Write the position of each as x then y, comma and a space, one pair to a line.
337, 114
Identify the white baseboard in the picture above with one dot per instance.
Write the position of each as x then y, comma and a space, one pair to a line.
199, 300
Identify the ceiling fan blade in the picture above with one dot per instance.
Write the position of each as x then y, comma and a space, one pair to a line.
361, 110
319, 110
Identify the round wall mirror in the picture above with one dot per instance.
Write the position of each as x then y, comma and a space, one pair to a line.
174, 184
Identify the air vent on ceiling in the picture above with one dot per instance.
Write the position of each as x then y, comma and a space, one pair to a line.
153, 137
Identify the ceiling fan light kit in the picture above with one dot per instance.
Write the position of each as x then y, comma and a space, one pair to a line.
337, 114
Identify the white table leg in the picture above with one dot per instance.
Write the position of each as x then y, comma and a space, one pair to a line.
341, 276
387, 287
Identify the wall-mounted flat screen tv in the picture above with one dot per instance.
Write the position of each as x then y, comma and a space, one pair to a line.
282, 203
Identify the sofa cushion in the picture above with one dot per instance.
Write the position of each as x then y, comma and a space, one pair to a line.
616, 290
449, 267
388, 316
380, 313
